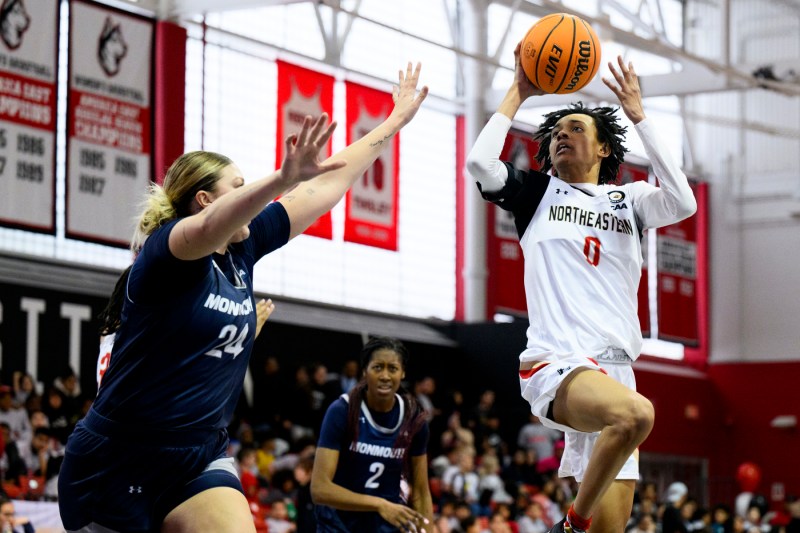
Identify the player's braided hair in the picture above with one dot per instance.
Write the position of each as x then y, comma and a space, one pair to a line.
111, 316
609, 132
414, 417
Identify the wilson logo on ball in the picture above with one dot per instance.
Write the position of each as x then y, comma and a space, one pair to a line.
561, 53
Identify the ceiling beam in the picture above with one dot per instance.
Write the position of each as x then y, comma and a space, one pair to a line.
184, 8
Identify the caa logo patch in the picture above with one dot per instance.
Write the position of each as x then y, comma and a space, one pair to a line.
616, 197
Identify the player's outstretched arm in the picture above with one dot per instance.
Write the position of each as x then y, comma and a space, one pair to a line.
673, 199
309, 200
199, 235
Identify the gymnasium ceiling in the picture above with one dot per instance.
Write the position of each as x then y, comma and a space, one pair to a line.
634, 24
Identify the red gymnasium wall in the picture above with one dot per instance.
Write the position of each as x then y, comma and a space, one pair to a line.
726, 417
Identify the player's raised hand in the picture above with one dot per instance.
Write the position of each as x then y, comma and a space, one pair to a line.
525, 87
627, 90
301, 161
406, 98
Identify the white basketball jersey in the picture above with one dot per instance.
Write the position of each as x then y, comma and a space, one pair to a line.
583, 260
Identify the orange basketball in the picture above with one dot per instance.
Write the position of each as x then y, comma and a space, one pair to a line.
560, 53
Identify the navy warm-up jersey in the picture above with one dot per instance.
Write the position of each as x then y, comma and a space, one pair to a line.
181, 366
371, 465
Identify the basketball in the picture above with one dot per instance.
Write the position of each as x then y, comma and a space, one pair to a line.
560, 53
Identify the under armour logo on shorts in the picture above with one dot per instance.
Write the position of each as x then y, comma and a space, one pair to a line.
134, 489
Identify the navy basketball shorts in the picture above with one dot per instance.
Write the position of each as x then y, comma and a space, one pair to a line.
128, 480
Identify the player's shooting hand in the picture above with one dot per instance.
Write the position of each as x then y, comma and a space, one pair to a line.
404, 518
627, 90
524, 85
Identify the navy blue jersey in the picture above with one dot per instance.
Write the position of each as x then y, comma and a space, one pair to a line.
180, 356
371, 465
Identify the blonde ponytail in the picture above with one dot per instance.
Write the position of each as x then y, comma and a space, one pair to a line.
190, 173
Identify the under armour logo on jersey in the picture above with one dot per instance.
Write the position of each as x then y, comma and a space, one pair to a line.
134, 489
562, 370
559, 191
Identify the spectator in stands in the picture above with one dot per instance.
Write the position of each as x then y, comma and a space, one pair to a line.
306, 520
470, 524
323, 392
24, 388
643, 523
498, 523
461, 481
15, 417
367, 441
522, 469
671, 520
10, 522
11, 464
278, 518
270, 392
479, 417
424, 388
69, 385
349, 376
61, 419
491, 483
531, 521
247, 467
188, 326
534, 435
299, 416
721, 519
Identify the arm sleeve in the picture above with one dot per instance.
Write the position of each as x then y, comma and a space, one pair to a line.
334, 426
673, 200
483, 161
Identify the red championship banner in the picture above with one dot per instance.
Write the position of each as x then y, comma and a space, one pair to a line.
628, 174
303, 92
28, 69
505, 289
678, 275
109, 142
372, 206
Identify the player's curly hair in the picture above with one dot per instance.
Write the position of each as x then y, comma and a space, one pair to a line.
609, 131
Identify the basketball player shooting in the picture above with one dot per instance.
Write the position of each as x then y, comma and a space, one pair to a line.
581, 238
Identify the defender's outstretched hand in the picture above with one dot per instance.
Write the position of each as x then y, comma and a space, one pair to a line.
405, 96
627, 90
301, 161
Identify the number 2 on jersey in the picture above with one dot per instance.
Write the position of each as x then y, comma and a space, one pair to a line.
377, 469
591, 249
231, 343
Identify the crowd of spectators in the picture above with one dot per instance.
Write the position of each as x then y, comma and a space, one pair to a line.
479, 481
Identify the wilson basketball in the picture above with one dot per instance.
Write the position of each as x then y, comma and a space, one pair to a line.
560, 53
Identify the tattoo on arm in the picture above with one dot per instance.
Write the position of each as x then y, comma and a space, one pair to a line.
380, 142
